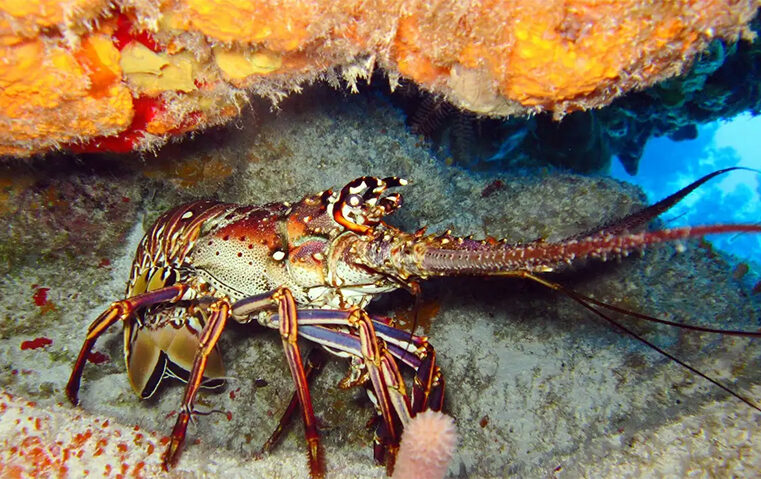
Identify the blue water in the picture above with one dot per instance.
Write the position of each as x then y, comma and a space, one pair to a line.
668, 165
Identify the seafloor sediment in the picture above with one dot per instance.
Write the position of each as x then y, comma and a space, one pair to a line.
538, 386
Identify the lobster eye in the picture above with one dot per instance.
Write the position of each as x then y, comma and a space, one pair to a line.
354, 200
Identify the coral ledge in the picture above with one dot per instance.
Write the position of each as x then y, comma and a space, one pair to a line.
97, 75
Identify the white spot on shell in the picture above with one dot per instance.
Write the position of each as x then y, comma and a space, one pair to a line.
358, 189
188, 214
278, 255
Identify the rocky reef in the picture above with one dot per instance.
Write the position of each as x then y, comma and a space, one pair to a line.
538, 387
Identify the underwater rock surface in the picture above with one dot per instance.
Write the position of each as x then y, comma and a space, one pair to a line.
537, 385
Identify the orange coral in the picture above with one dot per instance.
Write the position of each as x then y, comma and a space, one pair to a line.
55, 442
49, 96
279, 26
23, 18
411, 60
62, 84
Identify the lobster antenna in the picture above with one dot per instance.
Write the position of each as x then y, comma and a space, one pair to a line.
585, 302
692, 327
643, 216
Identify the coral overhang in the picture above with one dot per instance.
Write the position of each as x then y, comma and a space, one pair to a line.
125, 75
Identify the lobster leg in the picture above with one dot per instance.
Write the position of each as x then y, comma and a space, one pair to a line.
118, 311
428, 384
385, 379
288, 319
379, 345
314, 363
414, 351
289, 331
219, 313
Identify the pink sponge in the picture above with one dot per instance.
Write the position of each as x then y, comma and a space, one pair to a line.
428, 443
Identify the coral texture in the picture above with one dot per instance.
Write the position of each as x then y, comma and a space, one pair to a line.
125, 75
54, 442
428, 443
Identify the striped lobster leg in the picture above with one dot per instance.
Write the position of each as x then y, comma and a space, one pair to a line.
118, 311
379, 347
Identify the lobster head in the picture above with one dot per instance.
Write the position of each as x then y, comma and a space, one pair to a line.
357, 210
324, 235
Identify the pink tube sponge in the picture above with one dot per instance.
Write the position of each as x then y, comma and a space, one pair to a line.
428, 443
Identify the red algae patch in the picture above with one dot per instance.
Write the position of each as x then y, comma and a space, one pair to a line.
36, 343
97, 357
40, 296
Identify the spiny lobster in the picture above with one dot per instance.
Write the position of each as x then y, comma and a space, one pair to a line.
308, 270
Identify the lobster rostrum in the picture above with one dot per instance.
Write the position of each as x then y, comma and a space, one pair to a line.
308, 270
